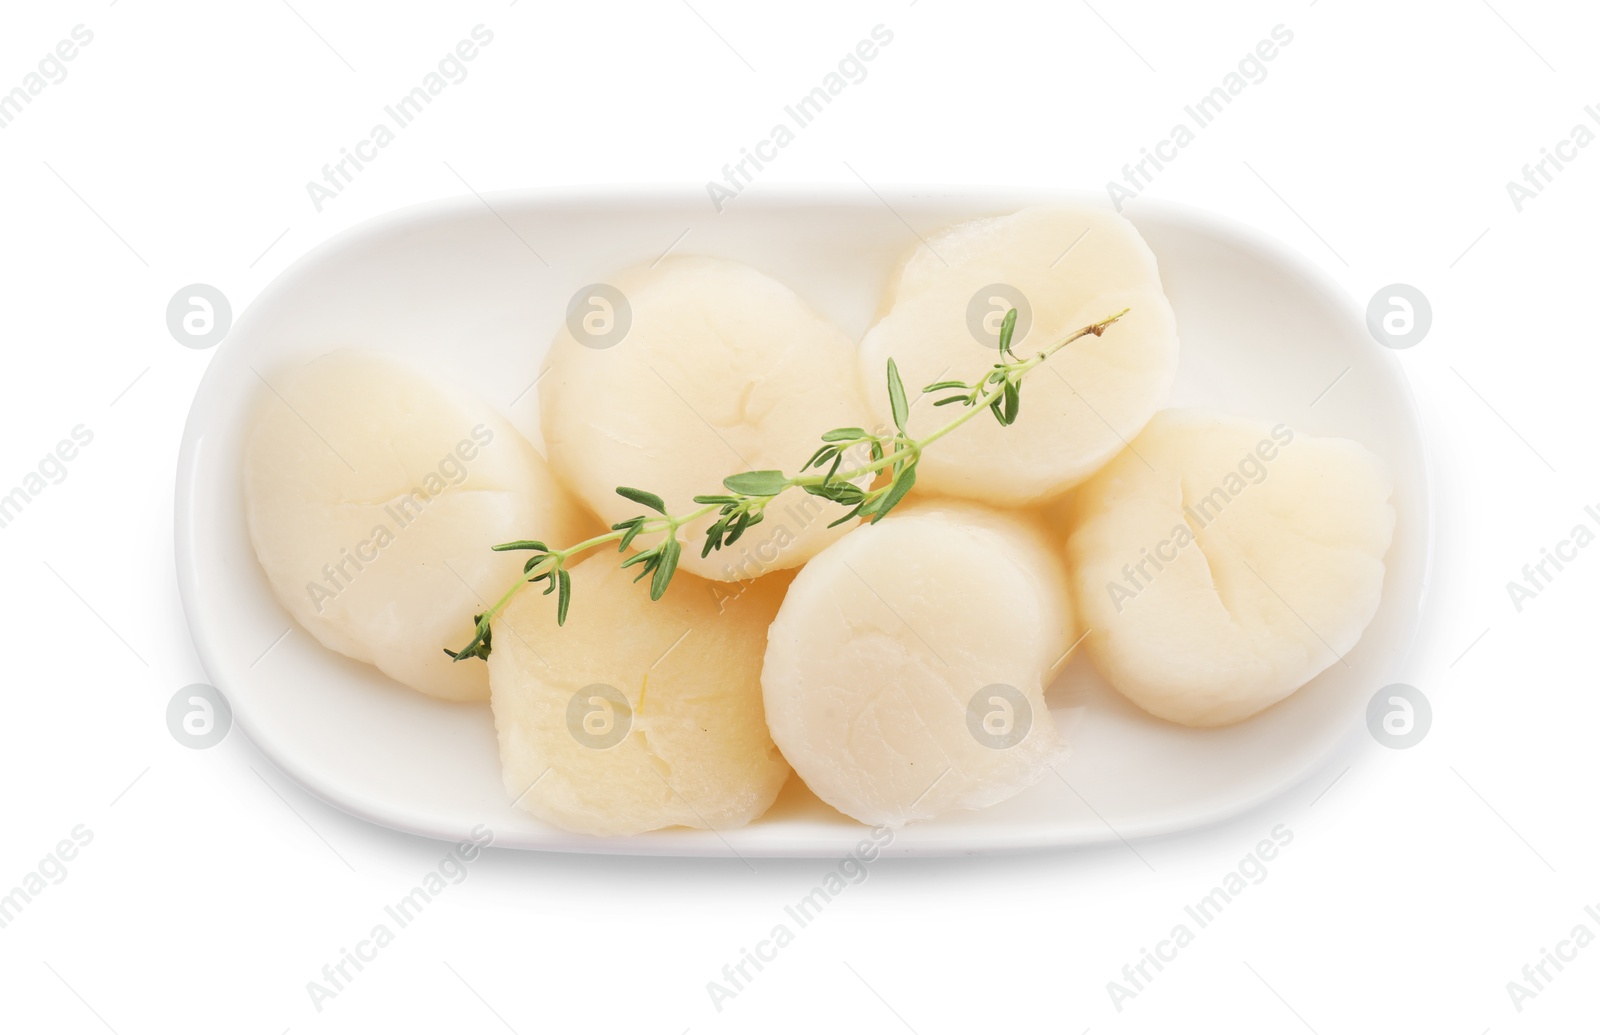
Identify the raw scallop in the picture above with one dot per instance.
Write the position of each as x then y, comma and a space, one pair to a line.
905, 672
374, 494
1222, 563
721, 369
1068, 266
637, 715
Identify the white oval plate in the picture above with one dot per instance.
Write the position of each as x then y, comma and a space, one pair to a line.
475, 292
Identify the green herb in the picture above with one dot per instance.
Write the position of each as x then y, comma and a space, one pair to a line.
892, 460
481, 644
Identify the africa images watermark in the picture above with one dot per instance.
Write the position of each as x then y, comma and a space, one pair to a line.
847, 872
850, 71
450, 71
405, 509
1538, 175
1137, 976
52, 470
1251, 70
1537, 575
1537, 976
751, 562
452, 869
50, 71
1252, 470
52, 869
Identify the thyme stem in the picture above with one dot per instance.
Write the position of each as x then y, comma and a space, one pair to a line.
998, 391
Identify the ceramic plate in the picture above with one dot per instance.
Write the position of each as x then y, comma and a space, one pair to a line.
474, 290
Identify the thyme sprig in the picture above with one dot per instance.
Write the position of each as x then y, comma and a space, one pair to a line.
889, 472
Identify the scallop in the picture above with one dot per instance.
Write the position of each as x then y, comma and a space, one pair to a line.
637, 715
1063, 267
905, 672
373, 494
689, 371
1221, 563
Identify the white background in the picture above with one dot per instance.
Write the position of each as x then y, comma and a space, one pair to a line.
177, 150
